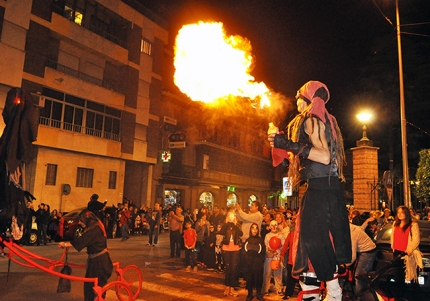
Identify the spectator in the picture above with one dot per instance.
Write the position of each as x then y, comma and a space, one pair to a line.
176, 221
265, 225
272, 254
53, 225
354, 218
190, 239
247, 219
42, 219
254, 256
60, 233
202, 229
124, 216
283, 226
210, 248
154, 219
366, 250
219, 261
405, 239
290, 282
217, 217
28, 223
231, 247
95, 206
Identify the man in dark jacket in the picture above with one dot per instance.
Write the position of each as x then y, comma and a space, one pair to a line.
154, 225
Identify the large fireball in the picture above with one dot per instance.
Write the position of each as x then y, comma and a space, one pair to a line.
209, 65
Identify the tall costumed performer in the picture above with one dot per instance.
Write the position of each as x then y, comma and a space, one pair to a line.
323, 243
21, 119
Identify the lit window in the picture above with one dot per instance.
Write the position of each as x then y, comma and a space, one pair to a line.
84, 177
51, 174
146, 47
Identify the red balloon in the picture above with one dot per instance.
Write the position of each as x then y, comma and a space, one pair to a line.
275, 243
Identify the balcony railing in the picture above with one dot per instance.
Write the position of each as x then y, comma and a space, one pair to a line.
85, 77
68, 15
78, 129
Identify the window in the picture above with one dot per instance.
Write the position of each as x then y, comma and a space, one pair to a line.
146, 47
79, 115
85, 177
112, 180
51, 174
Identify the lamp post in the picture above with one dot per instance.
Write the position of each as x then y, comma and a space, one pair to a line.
364, 118
406, 186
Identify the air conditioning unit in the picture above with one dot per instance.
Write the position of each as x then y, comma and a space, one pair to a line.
170, 120
178, 144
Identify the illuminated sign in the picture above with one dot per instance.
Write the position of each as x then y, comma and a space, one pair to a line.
231, 188
166, 156
288, 186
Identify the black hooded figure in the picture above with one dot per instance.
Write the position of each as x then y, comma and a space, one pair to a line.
21, 119
254, 256
99, 263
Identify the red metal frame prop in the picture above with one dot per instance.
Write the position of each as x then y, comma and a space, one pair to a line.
125, 290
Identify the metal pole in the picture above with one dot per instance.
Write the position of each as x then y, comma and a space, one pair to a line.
406, 187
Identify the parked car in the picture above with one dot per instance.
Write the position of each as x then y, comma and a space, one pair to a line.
72, 227
71, 224
413, 291
34, 235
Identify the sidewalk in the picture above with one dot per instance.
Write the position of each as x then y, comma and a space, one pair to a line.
164, 279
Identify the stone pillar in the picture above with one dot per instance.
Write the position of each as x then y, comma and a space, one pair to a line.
365, 175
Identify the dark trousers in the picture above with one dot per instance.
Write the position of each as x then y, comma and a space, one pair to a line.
290, 281
124, 231
153, 235
175, 244
315, 244
99, 267
231, 262
42, 229
190, 257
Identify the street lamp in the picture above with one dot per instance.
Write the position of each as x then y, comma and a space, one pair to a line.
406, 187
364, 118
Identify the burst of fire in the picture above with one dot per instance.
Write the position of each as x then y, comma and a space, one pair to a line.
209, 65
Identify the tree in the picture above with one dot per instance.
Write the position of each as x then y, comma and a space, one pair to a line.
422, 190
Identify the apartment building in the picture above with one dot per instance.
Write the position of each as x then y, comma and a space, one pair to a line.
92, 68
111, 120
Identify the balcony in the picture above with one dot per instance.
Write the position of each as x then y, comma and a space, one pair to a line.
85, 77
78, 129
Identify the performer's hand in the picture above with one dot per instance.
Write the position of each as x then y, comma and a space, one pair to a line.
271, 138
238, 207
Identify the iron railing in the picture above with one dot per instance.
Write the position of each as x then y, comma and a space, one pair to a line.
78, 129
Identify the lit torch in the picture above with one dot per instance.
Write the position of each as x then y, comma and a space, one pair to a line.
211, 66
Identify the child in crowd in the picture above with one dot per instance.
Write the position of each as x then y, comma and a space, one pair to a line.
254, 255
270, 255
190, 239
219, 262
210, 249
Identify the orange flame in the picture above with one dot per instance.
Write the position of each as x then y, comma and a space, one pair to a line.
209, 65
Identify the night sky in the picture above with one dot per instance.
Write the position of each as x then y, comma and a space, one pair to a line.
347, 44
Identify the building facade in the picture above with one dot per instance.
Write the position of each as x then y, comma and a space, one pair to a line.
101, 75
92, 68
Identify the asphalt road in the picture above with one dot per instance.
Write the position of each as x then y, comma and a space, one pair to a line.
164, 279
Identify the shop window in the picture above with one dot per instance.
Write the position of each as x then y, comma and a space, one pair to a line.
206, 199
231, 200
